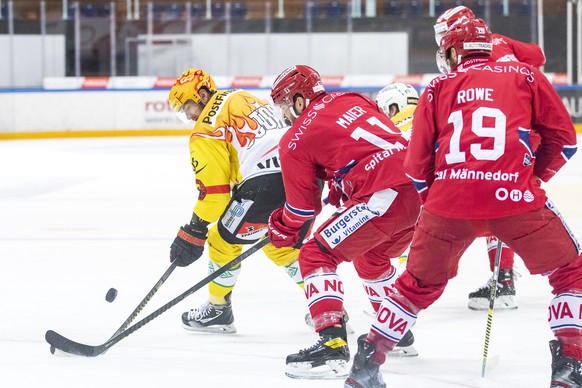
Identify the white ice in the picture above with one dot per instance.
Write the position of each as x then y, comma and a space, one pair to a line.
79, 216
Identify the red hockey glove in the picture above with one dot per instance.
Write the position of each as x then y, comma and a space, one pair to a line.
335, 195
280, 234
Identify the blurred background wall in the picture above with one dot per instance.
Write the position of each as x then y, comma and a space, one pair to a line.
253, 37
98, 67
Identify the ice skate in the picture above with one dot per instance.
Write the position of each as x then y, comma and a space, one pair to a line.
405, 347
349, 328
566, 371
210, 318
326, 359
365, 373
504, 295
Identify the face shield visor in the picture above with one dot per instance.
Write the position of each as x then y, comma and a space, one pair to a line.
283, 112
189, 112
183, 118
441, 62
440, 29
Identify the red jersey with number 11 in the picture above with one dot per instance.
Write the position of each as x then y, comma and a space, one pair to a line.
341, 136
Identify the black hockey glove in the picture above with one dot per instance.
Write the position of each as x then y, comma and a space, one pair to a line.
188, 245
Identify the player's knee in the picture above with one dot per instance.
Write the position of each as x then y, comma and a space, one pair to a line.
281, 256
312, 260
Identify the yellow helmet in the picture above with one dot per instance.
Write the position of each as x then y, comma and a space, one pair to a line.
187, 86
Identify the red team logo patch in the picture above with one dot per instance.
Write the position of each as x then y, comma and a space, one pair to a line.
201, 190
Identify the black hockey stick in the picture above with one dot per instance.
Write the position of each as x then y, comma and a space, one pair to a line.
141, 305
145, 300
71, 347
495, 275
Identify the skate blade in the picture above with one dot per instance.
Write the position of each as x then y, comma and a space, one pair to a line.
349, 329
501, 303
403, 351
217, 329
332, 370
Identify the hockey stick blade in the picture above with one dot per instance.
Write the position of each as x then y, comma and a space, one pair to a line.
75, 348
58, 342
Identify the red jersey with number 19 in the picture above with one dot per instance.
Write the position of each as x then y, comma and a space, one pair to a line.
340, 136
469, 154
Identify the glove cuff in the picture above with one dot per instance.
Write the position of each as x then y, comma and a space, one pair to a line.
189, 238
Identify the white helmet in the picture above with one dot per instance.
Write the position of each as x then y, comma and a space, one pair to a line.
397, 93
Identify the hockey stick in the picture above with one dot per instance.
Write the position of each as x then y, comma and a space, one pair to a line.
491, 304
141, 305
71, 347
145, 300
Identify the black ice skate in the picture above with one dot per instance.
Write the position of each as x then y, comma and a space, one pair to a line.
504, 295
365, 373
566, 371
405, 347
325, 360
210, 318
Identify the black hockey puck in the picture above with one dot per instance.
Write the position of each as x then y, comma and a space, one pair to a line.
111, 295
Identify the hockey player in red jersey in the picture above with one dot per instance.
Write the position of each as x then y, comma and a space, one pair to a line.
345, 139
505, 49
470, 159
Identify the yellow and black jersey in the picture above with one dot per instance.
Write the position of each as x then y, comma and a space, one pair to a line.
235, 138
403, 119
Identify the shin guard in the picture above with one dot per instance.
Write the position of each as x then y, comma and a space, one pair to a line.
565, 319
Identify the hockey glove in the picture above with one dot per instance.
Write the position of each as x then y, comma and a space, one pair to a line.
335, 195
189, 243
280, 234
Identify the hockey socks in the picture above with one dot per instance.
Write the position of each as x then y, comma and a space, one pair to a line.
378, 289
325, 296
565, 320
392, 322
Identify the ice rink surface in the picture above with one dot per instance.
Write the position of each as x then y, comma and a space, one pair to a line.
80, 216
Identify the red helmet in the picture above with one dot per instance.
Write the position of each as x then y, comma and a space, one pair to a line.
447, 18
468, 37
298, 79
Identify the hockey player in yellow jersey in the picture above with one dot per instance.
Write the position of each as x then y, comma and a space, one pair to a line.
234, 155
399, 102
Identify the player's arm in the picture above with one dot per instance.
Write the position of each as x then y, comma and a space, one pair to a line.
213, 167
211, 164
303, 201
529, 53
553, 123
419, 160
